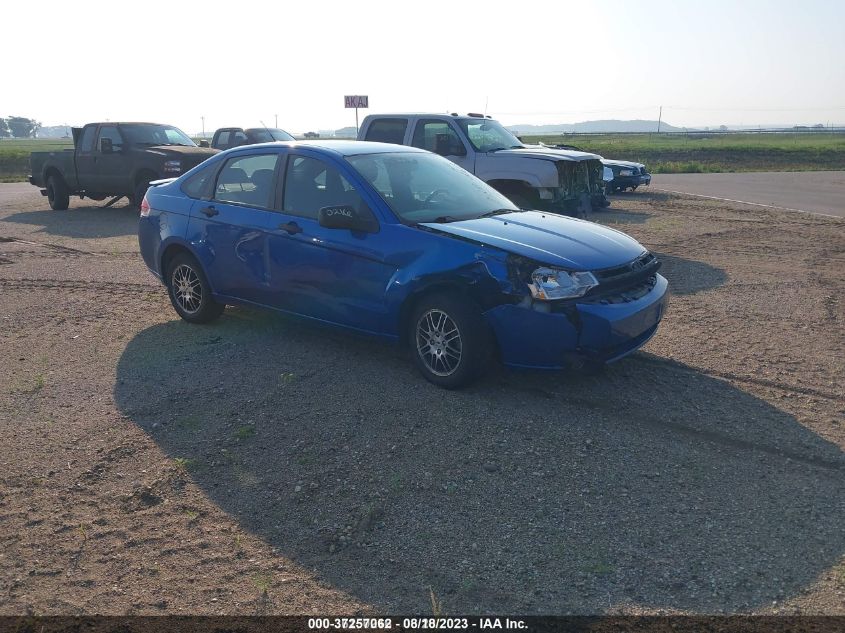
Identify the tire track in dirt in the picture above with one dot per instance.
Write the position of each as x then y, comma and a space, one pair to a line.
127, 288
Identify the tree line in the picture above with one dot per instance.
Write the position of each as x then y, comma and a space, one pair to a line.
18, 127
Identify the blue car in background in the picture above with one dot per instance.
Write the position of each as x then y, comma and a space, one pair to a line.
626, 175
402, 243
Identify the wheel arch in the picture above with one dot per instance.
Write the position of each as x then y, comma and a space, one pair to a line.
483, 292
170, 251
52, 170
510, 184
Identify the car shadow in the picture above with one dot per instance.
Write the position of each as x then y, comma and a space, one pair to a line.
688, 276
651, 484
82, 221
617, 214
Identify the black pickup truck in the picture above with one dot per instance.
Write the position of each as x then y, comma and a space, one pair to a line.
114, 159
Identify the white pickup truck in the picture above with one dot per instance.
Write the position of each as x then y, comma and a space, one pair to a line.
535, 177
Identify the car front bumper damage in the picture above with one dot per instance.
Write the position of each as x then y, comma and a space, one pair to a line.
591, 331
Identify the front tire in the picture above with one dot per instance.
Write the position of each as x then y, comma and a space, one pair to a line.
57, 193
450, 342
190, 292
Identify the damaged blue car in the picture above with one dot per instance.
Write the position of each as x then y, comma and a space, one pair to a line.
401, 243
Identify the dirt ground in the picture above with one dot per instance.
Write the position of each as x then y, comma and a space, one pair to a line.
265, 465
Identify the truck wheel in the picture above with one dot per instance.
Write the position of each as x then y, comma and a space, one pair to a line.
140, 192
190, 292
57, 193
449, 340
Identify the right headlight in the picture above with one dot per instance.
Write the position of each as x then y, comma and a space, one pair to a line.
548, 284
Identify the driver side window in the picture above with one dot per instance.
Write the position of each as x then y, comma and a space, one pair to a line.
311, 184
110, 132
438, 137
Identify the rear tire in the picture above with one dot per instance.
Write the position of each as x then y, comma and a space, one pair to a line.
190, 292
450, 342
57, 193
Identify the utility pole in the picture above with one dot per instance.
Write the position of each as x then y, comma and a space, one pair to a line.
277, 119
203, 126
659, 119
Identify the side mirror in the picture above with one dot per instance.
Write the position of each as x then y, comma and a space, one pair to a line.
345, 217
204, 143
106, 146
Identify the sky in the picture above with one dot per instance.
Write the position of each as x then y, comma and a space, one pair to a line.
751, 63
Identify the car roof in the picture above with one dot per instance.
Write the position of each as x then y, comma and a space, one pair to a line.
445, 115
343, 147
128, 123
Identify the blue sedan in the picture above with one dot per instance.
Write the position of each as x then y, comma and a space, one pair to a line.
401, 243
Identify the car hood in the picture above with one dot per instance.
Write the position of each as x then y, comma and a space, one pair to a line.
551, 239
183, 150
622, 163
546, 153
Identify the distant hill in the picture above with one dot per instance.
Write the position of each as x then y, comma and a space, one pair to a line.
610, 125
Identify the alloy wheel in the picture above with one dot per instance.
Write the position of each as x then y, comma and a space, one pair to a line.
187, 288
439, 342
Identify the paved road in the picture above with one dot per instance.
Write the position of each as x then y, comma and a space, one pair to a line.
811, 191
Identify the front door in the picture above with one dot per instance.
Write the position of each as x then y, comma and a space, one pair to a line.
334, 275
111, 167
438, 136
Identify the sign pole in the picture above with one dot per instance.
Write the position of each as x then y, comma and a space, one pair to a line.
356, 101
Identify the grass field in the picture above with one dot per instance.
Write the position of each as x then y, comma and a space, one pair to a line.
691, 153
663, 153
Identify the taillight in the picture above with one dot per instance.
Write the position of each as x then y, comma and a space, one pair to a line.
145, 207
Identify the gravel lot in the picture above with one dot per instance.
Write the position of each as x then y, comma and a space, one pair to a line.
263, 465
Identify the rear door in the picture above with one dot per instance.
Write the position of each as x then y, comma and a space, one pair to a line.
230, 228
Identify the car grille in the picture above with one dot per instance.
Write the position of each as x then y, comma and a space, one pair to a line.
629, 294
622, 284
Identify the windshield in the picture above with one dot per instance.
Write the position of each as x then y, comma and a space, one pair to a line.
268, 135
151, 134
488, 136
428, 188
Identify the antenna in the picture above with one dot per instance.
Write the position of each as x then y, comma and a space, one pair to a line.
486, 101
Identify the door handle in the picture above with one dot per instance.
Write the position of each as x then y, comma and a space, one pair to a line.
291, 227
210, 211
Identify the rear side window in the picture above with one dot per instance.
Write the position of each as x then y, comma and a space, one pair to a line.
248, 180
198, 185
86, 143
387, 131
